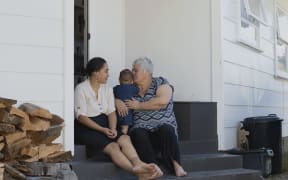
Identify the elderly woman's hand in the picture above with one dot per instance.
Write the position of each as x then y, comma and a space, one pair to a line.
121, 108
132, 104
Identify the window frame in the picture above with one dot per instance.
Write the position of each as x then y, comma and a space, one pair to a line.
278, 39
262, 9
285, 40
242, 7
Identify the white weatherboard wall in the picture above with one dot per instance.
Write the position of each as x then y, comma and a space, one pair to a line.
176, 35
183, 39
34, 52
250, 88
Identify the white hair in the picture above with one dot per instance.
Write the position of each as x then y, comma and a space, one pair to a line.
145, 63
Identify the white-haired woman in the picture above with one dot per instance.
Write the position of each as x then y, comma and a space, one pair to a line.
154, 128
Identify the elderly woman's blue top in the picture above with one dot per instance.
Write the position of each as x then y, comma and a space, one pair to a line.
152, 119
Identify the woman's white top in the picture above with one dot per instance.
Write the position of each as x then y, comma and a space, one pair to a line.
87, 104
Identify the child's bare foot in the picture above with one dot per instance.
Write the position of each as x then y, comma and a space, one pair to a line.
180, 172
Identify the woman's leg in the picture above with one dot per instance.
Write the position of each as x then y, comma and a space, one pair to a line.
141, 141
169, 147
139, 167
114, 151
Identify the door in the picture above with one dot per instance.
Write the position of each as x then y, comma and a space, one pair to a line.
107, 35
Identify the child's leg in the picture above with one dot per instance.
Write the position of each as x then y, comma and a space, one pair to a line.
124, 129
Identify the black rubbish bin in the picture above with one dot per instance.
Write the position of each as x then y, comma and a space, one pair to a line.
266, 132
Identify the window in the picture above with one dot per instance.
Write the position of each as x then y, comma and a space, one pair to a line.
256, 10
282, 25
252, 14
282, 43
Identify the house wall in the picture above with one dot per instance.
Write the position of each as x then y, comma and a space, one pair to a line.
250, 88
33, 54
176, 35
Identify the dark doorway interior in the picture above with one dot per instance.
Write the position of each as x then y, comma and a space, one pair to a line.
79, 40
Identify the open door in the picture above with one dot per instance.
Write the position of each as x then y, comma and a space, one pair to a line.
106, 28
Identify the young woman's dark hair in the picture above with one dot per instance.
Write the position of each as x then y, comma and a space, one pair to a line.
95, 64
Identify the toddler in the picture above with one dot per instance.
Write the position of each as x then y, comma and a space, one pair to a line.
126, 90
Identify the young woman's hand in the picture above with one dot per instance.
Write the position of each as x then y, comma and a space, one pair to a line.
114, 134
108, 132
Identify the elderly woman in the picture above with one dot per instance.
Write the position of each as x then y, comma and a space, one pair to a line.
154, 127
96, 122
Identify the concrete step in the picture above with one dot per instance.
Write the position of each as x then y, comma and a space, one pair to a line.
108, 171
231, 174
192, 163
209, 162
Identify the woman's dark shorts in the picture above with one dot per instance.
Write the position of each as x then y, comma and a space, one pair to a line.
91, 137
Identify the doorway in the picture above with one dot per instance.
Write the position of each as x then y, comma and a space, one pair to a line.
80, 39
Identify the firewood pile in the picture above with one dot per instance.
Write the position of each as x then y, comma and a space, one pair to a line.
26, 136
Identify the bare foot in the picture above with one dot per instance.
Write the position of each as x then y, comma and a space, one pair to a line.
158, 173
143, 168
180, 172
147, 171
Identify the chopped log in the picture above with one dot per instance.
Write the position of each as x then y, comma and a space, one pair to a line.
22, 168
5, 117
6, 128
56, 120
18, 112
35, 110
14, 172
61, 156
29, 160
1, 156
38, 124
2, 144
2, 173
45, 137
11, 138
7, 102
14, 149
45, 150
25, 124
3, 114
2, 105
15, 120
1, 138
32, 123
30, 151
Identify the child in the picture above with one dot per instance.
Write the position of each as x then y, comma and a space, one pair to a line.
126, 90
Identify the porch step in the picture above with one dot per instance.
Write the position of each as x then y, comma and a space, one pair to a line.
231, 174
106, 170
210, 162
191, 162
200, 167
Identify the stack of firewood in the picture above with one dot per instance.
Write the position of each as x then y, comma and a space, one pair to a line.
27, 134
